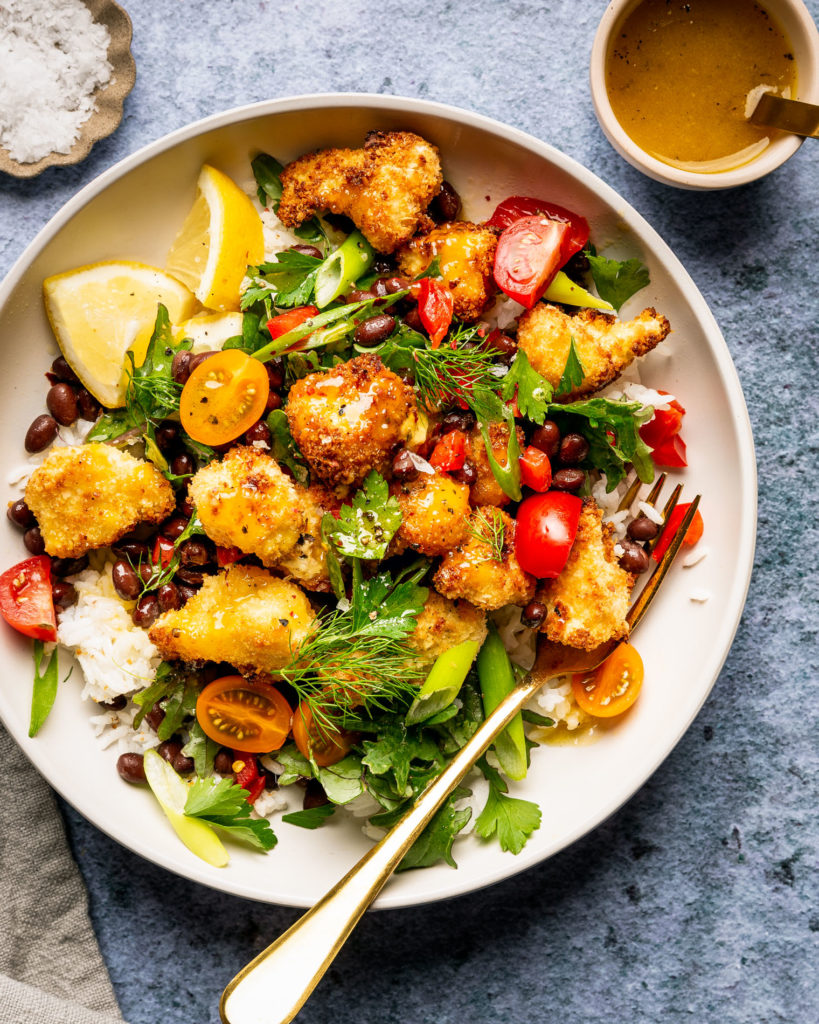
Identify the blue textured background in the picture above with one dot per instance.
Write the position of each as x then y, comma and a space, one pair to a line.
697, 901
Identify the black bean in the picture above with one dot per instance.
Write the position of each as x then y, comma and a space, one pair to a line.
642, 528
358, 296
403, 467
413, 320
33, 540
577, 267
62, 404
135, 550
182, 764
374, 330
197, 360
186, 506
458, 419
271, 779
145, 570
155, 717
63, 594
88, 406
40, 434
391, 285
274, 401
68, 566
497, 341
573, 449
185, 592
340, 222
568, 479
173, 528
181, 367
20, 514
194, 552
467, 474
275, 373
62, 371
167, 435
169, 750
546, 438
634, 558
307, 250
446, 204
533, 614
146, 611
190, 577
168, 597
131, 767
314, 795
223, 762
182, 464
259, 432
114, 704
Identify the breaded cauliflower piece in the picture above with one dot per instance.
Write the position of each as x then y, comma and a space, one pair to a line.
350, 419
89, 496
383, 188
466, 255
244, 616
307, 562
588, 601
486, 490
472, 571
604, 344
435, 510
443, 624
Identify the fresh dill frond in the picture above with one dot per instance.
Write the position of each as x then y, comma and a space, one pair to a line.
489, 527
458, 370
162, 574
145, 395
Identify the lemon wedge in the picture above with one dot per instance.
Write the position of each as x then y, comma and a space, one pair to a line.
209, 331
221, 235
101, 311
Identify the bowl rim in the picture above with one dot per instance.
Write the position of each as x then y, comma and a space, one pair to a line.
501, 869
777, 153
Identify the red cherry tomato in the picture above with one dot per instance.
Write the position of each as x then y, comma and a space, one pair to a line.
529, 254
246, 774
545, 531
435, 307
290, 320
321, 742
227, 556
535, 469
449, 453
692, 534
515, 207
25, 598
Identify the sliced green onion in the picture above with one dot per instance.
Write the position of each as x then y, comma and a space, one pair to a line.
497, 679
443, 683
563, 289
45, 688
352, 259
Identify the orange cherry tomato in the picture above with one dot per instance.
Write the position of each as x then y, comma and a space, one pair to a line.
224, 395
248, 716
324, 744
613, 686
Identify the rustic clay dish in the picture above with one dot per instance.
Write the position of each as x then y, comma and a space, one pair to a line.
109, 98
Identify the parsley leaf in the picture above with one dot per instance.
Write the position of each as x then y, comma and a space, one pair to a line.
365, 528
435, 842
313, 817
533, 392
573, 373
201, 748
433, 270
287, 282
45, 688
617, 281
266, 171
512, 819
224, 805
284, 449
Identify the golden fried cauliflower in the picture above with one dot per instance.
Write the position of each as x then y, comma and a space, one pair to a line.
383, 188
88, 497
244, 616
350, 419
486, 490
588, 601
466, 255
307, 562
435, 509
604, 344
487, 575
443, 624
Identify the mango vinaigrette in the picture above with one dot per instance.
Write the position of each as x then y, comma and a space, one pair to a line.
679, 74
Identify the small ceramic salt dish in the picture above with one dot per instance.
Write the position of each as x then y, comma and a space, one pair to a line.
107, 98
799, 30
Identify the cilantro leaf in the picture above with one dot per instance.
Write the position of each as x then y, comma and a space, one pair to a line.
45, 688
342, 781
382, 606
573, 373
365, 528
394, 750
201, 748
287, 282
166, 681
313, 817
224, 805
180, 705
534, 393
617, 281
284, 449
435, 842
511, 819
256, 832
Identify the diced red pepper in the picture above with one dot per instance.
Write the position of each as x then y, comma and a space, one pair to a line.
227, 556
163, 551
670, 453
535, 469
692, 535
435, 307
449, 453
246, 774
665, 425
290, 320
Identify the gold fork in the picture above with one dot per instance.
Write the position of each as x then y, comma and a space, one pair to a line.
274, 986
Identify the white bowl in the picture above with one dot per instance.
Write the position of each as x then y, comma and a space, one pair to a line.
793, 17
133, 211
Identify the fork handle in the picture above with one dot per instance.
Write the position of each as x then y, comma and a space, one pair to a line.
273, 988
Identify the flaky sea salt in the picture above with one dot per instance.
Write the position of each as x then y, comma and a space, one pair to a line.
53, 57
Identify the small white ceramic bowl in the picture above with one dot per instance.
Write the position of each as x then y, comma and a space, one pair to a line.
795, 20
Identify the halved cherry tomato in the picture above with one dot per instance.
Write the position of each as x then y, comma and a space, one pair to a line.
515, 207
163, 551
224, 396
247, 775
661, 434
25, 598
692, 534
613, 686
535, 469
288, 321
227, 556
252, 717
324, 744
449, 453
671, 453
435, 307
529, 254
545, 531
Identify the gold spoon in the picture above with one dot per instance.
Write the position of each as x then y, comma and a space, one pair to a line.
789, 115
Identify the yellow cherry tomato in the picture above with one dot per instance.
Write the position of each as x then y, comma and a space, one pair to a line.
224, 396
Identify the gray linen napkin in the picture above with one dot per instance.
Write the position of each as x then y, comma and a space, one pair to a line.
51, 970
